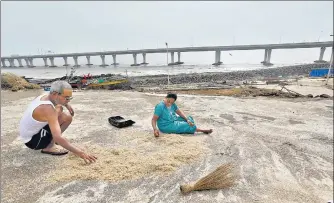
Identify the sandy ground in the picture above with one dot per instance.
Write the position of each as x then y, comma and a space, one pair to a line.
283, 149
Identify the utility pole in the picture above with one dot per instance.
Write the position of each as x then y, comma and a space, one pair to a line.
330, 64
167, 61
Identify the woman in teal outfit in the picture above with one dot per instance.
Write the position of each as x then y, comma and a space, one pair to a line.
170, 119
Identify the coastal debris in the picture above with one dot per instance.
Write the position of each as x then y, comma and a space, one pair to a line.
103, 81
296, 94
10, 81
248, 91
323, 96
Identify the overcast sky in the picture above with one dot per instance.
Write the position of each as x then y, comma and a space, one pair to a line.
35, 27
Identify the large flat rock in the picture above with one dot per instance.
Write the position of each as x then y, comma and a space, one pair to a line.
282, 149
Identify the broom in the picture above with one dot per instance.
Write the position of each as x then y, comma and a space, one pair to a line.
220, 178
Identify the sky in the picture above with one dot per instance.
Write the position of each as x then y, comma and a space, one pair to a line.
64, 27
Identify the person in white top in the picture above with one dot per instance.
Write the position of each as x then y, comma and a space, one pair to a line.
44, 122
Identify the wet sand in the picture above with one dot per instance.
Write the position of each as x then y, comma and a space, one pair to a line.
283, 149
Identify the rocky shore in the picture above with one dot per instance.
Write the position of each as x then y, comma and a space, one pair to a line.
211, 79
230, 77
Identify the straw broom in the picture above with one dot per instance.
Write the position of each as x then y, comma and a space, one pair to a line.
220, 178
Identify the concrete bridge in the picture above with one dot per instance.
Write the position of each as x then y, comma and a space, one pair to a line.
217, 49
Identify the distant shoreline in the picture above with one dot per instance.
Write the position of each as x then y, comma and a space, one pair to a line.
44, 73
234, 76
209, 77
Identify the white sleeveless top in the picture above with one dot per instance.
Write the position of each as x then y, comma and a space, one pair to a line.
28, 125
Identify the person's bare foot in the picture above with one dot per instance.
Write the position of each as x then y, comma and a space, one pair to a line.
54, 151
207, 131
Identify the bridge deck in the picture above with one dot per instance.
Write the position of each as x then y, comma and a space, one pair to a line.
187, 49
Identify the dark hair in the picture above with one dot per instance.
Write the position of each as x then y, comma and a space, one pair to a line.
171, 95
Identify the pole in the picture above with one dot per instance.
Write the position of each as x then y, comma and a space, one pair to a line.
330, 66
167, 62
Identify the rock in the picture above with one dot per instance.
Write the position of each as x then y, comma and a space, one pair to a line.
310, 95
324, 96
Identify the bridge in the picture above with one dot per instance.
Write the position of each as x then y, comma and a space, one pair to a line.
217, 49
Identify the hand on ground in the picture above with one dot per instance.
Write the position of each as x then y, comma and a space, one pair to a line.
156, 133
87, 157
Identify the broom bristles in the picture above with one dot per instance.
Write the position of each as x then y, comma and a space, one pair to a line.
220, 178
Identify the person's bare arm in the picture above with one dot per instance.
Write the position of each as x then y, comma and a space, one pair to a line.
154, 125
52, 118
180, 113
69, 108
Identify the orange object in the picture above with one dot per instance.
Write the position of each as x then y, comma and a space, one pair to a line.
84, 81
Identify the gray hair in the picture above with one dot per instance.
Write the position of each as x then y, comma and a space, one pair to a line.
59, 86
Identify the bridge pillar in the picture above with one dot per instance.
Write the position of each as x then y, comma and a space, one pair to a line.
103, 60
267, 56
45, 62
65, 61
321, 56
11, 63
52, 61
144, 59
134, 60
20, 62
3, 62
217, 59
172, 59
27, 62
88, 61
179, 59
114, 60
76, 64
31, 62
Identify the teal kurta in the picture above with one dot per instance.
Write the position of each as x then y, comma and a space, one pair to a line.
170, 122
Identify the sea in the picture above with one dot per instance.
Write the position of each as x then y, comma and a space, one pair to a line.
42, 72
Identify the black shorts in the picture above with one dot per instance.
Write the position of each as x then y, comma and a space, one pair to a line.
41, 139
